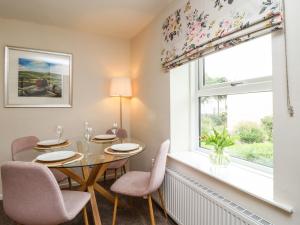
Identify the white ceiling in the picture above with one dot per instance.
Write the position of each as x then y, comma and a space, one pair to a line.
119, 18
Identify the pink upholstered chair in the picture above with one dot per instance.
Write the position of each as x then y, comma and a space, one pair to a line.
141, 184
23, 143
121, 133
31, 195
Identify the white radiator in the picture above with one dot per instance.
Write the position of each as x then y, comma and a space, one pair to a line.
190, 203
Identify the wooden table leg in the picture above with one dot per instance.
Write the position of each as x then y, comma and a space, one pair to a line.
94, 205
85, 216
72, 175
90, 188
89, 184
106, 194
101, 171
102, 191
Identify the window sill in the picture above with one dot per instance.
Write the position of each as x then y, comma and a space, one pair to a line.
234, 175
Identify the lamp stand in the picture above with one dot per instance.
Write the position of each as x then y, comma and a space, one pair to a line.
121, 105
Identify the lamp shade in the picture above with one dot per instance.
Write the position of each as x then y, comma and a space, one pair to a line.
120, 86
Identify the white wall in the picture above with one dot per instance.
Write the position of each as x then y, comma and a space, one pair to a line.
95, 60
151, 108
180, 108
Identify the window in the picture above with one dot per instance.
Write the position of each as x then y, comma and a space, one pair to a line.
235, 93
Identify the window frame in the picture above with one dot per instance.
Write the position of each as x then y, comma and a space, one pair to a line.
262, 84
254, 85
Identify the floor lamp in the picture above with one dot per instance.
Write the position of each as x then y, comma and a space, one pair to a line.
120, 87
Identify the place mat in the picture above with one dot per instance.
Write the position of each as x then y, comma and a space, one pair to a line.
98, 141
77, 157
112, 152
63, 145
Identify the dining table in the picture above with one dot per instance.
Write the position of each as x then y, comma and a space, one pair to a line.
94, 160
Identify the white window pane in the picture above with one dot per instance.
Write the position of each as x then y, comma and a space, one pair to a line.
248, 118
252, 59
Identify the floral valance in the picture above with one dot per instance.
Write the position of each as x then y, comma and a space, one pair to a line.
200, 27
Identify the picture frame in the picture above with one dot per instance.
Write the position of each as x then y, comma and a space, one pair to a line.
37, 78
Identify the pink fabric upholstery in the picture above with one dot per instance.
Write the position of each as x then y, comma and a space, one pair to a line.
121, 133
31, 195
133, 183
159, 167
74, 202
23, 143
143, 183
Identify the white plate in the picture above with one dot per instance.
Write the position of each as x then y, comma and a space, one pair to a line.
55, 156
124, 147
51, 142
105, 136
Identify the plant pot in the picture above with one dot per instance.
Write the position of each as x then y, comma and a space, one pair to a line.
219, 159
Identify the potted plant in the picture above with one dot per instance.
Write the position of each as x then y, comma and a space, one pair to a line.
219, 141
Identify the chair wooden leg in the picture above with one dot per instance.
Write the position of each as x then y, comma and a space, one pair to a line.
151, 210
70, 183
162, 202
115, 210
85, 216
124, 169
116, 174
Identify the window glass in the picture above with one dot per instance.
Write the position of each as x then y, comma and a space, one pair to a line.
252, 59
247, 117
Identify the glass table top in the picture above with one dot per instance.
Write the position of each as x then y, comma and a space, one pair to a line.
93, 153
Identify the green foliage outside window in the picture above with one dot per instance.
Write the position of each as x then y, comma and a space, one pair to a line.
250, 133
267, 123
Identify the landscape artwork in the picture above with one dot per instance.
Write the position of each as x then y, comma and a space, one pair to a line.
40, 78
37, 78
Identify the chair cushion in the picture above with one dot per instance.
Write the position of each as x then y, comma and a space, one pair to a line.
75, 201
134, 183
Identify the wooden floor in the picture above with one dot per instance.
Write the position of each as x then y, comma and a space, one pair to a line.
135, 214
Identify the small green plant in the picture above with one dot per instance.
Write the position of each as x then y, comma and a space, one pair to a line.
219, 140
250, 132
267, 123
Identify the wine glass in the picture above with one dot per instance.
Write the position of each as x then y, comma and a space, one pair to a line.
114, 128
59, 132
89, 133
86, 125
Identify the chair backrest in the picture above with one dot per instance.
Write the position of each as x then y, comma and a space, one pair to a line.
23, 143
121, 133
31, 195
159, 167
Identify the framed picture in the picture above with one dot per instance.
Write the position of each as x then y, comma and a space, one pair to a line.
36, 78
